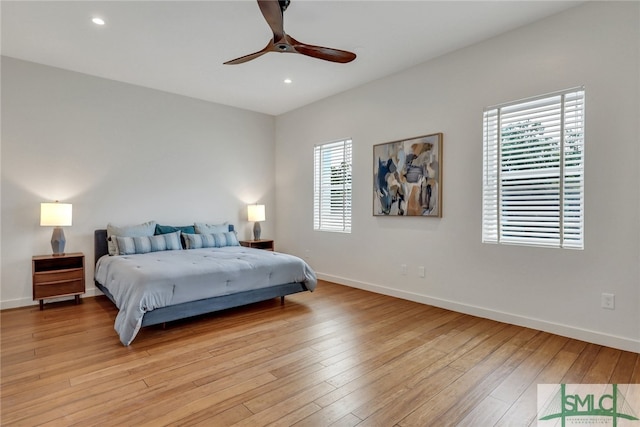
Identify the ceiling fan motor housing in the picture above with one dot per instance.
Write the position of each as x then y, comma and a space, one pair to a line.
284, 4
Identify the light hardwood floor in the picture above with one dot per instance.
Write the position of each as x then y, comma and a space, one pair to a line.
338, 356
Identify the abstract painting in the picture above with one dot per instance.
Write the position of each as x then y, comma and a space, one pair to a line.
407, 177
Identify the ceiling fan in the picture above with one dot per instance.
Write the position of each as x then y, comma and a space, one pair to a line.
273, 12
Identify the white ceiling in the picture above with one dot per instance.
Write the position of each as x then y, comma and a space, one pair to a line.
179, 46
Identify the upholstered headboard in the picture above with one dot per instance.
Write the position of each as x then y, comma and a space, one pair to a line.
99, 244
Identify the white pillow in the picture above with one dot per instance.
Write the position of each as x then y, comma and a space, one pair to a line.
140, 230
203, 228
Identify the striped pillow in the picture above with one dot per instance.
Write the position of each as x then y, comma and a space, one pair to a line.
217, 240
145, 244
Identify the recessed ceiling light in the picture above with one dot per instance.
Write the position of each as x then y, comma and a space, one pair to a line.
98, 21
288, 81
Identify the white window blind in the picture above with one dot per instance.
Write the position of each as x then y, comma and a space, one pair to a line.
533, 171
332, 187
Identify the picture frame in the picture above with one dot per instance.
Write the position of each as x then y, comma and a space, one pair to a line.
407, 177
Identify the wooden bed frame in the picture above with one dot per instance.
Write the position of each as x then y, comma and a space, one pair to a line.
203, 306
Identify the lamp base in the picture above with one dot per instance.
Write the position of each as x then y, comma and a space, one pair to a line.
256, 230
58, 241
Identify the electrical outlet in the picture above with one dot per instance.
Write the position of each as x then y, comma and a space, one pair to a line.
403, 269
421, 271
608, 301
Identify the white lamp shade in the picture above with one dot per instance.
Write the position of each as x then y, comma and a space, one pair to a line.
55, 214
255, 213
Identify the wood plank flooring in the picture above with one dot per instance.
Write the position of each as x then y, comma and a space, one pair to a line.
338, 356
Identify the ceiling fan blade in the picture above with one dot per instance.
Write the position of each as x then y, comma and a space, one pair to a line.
326, 53
268, 48
273, 14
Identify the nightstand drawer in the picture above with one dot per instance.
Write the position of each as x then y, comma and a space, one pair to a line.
56, 289
53, 276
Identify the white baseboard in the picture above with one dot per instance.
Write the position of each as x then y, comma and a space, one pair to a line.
26, 302
594, 337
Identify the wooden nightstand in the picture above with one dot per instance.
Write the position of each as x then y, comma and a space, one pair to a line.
266, 244
57, 276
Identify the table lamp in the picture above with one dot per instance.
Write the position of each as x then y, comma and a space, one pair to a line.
56, 215
255, 213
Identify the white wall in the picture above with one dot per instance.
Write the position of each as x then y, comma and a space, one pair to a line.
123, 154
596, 45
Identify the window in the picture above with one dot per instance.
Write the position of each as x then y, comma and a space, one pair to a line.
533, 171
332, 187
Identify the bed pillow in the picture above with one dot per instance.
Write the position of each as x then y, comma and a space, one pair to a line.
165, 229
203, 228
140, 230
215, 240
145, 244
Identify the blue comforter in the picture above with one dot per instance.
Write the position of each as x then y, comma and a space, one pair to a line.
144, 282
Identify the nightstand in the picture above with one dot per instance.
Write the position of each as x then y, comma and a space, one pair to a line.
58, 276
266, 244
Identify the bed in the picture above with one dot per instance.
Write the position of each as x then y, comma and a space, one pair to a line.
158, 287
